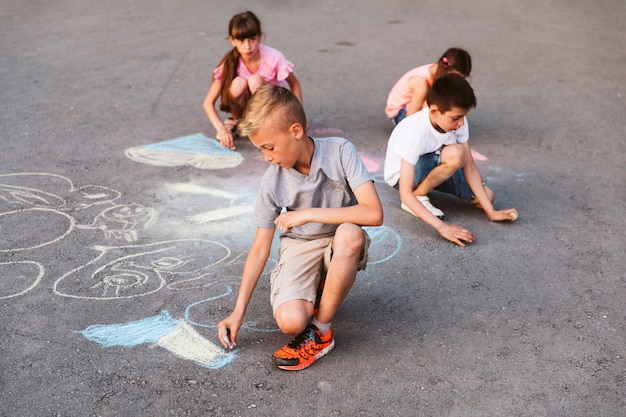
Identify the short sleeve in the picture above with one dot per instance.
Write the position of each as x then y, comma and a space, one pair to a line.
283, 69
217, 73
355, 169
277, 65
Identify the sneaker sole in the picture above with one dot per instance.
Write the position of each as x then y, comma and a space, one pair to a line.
408, 210
305, 365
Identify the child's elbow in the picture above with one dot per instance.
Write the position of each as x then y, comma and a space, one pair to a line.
378, 218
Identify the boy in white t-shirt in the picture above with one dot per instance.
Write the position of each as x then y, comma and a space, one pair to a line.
429, 150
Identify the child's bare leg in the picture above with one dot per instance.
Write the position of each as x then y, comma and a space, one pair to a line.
293, 316
347, 247
453, 158
490, 195
254, 82
241, 94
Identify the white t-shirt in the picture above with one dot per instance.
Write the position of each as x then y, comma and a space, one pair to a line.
415, 136
336, 170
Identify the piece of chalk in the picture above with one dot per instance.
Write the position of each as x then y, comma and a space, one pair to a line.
228, 342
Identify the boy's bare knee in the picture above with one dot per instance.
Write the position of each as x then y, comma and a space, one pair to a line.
454, 156
292, 316
348, 241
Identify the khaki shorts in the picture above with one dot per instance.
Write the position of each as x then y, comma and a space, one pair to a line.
301, 266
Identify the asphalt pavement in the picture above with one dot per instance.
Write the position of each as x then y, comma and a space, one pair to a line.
124, 227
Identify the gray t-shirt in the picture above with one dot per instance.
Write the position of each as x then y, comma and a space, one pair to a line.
336, 170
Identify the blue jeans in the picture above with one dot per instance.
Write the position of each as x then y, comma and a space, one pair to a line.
456, 184
398, 117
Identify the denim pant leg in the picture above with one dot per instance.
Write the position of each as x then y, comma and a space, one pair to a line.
458, 186
455, 185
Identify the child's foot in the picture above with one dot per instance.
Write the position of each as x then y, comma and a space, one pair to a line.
426, 203
304, 349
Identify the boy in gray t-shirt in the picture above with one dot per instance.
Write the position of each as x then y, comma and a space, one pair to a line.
318, 192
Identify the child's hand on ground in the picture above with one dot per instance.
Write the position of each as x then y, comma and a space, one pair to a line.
226, 139
227, 331
503, 215
456, 234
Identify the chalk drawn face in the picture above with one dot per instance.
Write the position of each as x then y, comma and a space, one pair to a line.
132, 271
127, 214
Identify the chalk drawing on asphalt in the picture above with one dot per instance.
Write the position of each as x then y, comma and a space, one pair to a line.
123, 221
385, 244
139, 270
19, 277
33, 228
239, 203
194, 150
57, 207
176, 336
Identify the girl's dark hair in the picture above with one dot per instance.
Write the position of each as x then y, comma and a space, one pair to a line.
451, 90
241, 26
454, 60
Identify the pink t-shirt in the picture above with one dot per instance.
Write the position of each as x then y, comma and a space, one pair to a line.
274, 67
400, 94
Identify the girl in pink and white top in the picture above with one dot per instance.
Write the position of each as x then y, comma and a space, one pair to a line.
245, 68
408, 95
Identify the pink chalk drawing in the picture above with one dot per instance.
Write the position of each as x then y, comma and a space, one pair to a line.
478, 156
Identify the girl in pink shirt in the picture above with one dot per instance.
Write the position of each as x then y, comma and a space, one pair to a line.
408, 95
245, 68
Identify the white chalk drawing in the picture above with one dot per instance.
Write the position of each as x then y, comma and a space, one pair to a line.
40, 209
33, 228
139, 270
123, 221
194, 150
19, 277
238, 203
53, 206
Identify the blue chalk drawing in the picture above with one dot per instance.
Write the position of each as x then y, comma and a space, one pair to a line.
249, 324
177, 336
386, 243
195, 150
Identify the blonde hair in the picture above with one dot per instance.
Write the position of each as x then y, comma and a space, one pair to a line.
272, 103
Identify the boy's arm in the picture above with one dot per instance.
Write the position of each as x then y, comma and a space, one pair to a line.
475, 181
255, 262
367, 212
452, 232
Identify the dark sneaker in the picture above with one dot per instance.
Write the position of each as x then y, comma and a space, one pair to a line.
304, 349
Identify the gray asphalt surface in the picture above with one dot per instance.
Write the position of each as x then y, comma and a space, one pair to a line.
530, 320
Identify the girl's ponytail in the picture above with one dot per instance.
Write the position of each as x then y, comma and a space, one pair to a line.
454, 60
231, 62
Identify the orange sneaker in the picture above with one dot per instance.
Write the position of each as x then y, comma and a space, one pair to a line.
304, 349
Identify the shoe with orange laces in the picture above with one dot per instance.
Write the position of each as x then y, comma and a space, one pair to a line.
304, 349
